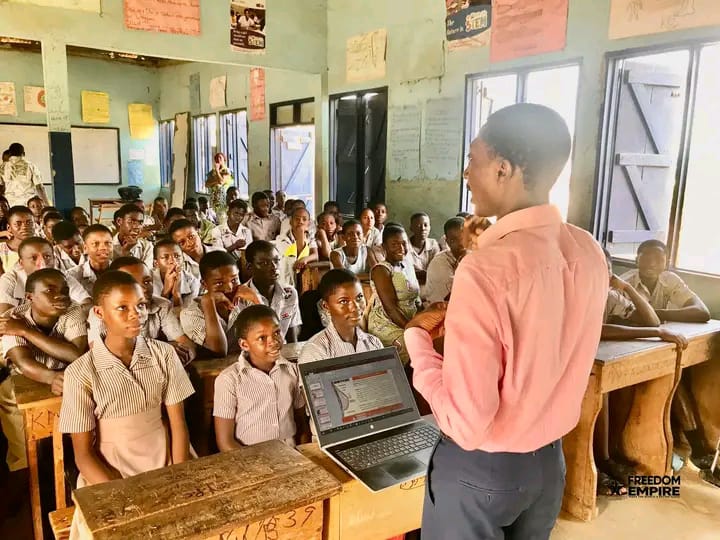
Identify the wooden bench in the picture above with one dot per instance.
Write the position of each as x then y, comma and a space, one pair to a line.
312, 275
60, 521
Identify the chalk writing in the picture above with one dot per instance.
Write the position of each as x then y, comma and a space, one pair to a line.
171, 16
442, 139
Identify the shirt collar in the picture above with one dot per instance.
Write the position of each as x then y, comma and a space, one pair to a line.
87, 271
527, 218
245, 364
335, 336
278, 290
104, 359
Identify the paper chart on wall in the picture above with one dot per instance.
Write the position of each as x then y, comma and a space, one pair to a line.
442, 139
404, 140
217, 92
141, 120
247, 25
7, 99
169, 16
639, 17
95, 107
257, 94
365, 56
34, 99
467, 24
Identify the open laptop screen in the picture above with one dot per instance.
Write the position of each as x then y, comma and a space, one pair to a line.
357, 390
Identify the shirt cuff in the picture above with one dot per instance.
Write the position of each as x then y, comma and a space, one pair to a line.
422, 352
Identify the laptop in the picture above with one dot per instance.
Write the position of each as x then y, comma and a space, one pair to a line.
366, 417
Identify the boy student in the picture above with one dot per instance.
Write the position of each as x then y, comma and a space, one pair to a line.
259, 397
68, 245
668, 294
423, 249
173, 215
206, 212
36, 205
159, 211
210, 319
20, 227
381, 213
114, 394
328, 235
262, 224
231, 194
80, 218
98, 245
170, 281
280, 198
204, 227
161, 322
128, 242
50, 219
297, 248
39, 339
441, 270
263, 262
187, 237
35, 254
233, 236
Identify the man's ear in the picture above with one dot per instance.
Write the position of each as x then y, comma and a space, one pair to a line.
98, 312
505, 170
324, 305
244, 345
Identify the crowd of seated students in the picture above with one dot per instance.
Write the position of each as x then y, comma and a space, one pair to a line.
111, 317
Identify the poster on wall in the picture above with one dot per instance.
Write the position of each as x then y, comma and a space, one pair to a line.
640, 17
141, 120
467, 23
527, 27
7, 99
365, 56
95, 107
257, 94
170, 16
217, 91
34, 99
247, 25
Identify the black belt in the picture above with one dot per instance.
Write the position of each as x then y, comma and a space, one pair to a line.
553, 444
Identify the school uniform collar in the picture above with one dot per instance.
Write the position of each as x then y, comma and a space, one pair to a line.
24, 311
87, 271
157, 303
637, 283
105, 360
279, 290
335, 336
245, 365
528, 218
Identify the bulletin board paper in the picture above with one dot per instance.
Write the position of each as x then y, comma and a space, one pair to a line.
640, 17
257, 94
404, 139
7, 99
442, 139
142, 122
365, 56
170, 16
527, 27
95, 107
217, 92
34, 99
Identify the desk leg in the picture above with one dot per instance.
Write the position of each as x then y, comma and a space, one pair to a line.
642, 442
579, 499
58, 465
34, 482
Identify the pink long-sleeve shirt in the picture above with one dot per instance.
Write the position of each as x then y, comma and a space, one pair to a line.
521, 333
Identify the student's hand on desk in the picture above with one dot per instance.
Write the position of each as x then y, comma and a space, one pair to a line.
13, 327
431, 319
673, 337
618, 283
56, 386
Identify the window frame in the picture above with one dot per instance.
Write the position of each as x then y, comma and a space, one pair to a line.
166, 141
200, 174
221, 128
522, 73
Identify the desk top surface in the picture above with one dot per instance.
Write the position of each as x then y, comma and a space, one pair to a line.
610, 351
30, 394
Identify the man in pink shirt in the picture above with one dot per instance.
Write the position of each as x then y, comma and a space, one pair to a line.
521, 332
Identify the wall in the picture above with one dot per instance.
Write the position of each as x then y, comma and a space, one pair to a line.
416, 31
125, 83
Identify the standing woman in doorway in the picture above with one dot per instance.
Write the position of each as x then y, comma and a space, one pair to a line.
218, 179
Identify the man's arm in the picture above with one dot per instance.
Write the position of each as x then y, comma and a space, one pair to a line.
23, 358
694, 310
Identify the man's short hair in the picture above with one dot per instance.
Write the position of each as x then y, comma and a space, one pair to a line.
174, 211
18, 209
126, 209
96, 228
418, 215
16, 150
350, 223
453, 224
65, 230
258, 246
77, 209
231, 188
41, 274
328, 204
334, 279
532, 137
214, 260
33, 241
125, 261
650, 244
160, 199
107, 281
391, 229
179, 224
202, 200
52, 215
238, 203
165, 242
191, 205
252, 315
258, 196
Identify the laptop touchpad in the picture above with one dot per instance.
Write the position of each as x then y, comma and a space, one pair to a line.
403, 467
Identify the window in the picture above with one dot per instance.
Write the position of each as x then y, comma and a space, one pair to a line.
167, 133
554, 86
234, 144
204, 146
292, 169
659, 155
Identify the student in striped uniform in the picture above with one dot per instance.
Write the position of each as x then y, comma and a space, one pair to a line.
36, 206
161, 322
20, 226
50, 219
259, 398
68, 245
98, 243
114, 394
170, 281
39, 339
128, 242
209, 320
233, 236
187, 237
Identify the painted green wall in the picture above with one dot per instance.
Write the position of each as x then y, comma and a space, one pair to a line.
125, 84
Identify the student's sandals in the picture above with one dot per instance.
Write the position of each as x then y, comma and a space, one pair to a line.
609, 487
612, 480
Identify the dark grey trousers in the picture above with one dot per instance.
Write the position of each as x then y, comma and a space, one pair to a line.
492, 496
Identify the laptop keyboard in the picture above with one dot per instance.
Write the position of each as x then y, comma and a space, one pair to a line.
377, 452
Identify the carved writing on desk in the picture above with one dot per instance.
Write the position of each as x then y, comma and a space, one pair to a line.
627, 375
302, 523
39, 422
413, 484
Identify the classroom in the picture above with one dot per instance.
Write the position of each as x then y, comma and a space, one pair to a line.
376, 270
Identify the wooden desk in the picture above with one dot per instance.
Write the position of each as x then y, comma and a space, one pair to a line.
41, 412
265, 491
313, 273
358, 514
103, 205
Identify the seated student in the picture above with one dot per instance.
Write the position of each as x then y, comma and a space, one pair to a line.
668, 294
39, 339
203, 226
50, 219
397, 297
371, 236
128, 241
233, 236
186, 235
380, 212
279, 209
262, 224
113, 395
443, 241
209, 319
331, 207
170, 281
80, 218
259, 398
327, 235
271, 199
231, 194
263, 262
206, 212
35, 254
20, 227
68, 245
353, 255
36, 206
4, 209
422, 248
173, 215
441, 270
98, 246
297, 248
625, 306
158, 213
